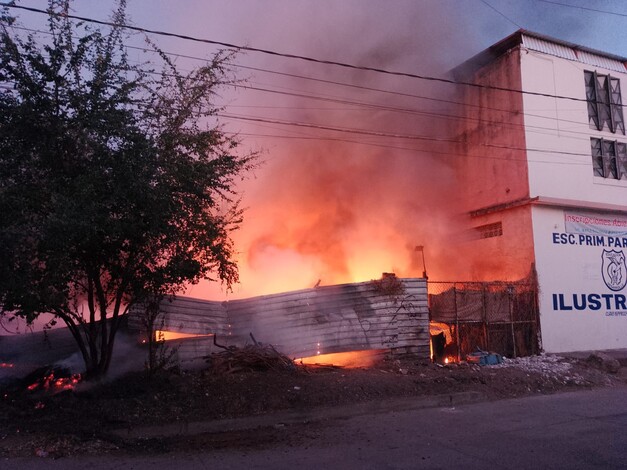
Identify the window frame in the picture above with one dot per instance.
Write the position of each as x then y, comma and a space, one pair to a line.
492, 230
605, 108
609, 158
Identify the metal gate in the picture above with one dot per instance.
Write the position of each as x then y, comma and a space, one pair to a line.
494, 316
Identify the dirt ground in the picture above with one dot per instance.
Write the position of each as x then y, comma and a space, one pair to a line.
88, 418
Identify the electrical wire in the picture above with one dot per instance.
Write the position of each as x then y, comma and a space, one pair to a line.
596, 10
426, 151
294, 56
396, 136
363, 104
531, 128
338, 129
501, 13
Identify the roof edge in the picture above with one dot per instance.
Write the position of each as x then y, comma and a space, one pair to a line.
514, 40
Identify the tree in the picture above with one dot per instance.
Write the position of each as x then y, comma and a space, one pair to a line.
114, 187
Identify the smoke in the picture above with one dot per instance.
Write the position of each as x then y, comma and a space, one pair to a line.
336, 207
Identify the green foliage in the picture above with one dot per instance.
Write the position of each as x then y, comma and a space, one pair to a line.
113, 187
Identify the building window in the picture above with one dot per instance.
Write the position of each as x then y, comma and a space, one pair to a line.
490, 230
605, 107
609, 158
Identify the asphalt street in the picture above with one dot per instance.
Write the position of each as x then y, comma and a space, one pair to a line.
577, 430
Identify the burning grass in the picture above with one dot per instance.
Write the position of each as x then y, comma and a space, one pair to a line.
54, 384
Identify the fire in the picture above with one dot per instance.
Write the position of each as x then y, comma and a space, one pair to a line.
51, 383
441, 343
163, 335
350, 359
54, 384
338, 215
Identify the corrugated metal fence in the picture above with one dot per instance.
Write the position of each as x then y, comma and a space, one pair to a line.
493, 316
387, 314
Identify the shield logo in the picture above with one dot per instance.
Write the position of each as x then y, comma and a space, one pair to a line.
614, 269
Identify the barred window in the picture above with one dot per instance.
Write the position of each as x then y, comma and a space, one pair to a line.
605, 107
490, 230
609, 158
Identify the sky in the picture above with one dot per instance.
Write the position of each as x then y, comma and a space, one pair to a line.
331, 206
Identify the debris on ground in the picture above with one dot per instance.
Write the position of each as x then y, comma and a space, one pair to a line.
85, 420
555, 368
251, 357
604, 362
484, 358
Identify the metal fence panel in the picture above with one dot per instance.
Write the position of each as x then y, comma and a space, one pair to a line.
496, 316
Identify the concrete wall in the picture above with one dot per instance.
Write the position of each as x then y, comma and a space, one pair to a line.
493, 170
558, 135
508, 257
569, 265
493, 173
561, 126
557, 169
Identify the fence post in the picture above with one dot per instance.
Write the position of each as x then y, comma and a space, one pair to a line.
510, 290
485, 315
459, 346
537, 339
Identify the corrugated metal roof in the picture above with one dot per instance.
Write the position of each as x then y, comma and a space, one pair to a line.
600, 61
572, 53
540, 45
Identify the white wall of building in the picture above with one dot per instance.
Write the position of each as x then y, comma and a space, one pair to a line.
546, 159
578, 311
558, 135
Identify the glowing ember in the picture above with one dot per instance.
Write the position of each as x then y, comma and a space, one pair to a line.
163, 335
345, 359
54, 384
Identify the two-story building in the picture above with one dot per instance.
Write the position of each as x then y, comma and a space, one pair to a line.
543, 173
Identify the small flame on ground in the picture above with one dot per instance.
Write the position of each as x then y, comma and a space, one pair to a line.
50, 383
163, 335
344, 359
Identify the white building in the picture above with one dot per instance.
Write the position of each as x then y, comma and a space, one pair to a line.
544, 176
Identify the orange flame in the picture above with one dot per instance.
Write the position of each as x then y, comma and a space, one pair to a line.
350, 359
164, 335
50, 383
337, 215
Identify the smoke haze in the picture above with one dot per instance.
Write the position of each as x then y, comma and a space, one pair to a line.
335, 207
345, 206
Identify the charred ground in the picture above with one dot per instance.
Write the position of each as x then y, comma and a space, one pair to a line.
97, 418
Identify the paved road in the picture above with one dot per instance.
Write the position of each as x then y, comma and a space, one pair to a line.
573, 430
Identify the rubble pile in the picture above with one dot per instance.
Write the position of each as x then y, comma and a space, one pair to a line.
551, 367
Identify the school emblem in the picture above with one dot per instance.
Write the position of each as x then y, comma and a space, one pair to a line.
614, 269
